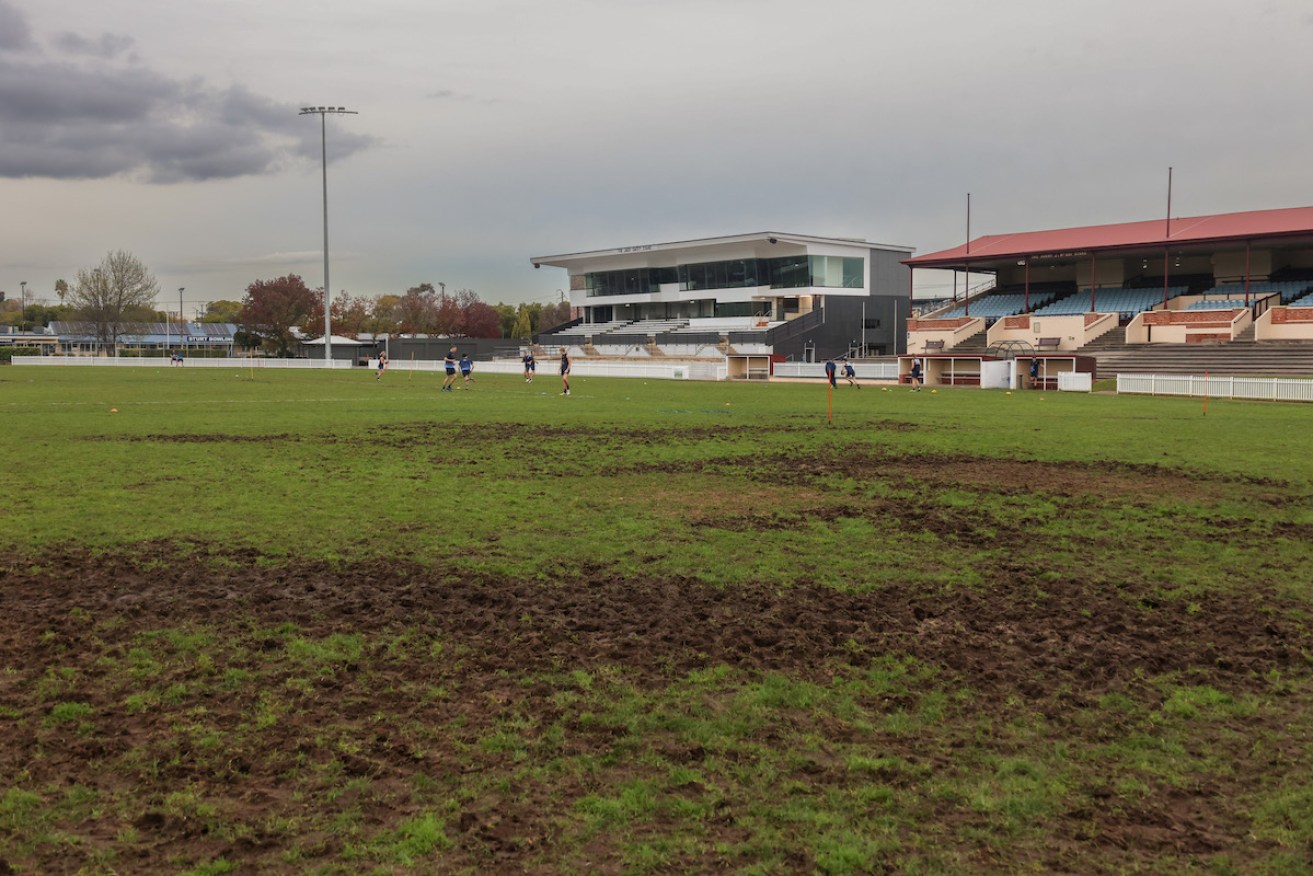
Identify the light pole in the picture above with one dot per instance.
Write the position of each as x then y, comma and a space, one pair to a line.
22, 314
182, 339
323, 112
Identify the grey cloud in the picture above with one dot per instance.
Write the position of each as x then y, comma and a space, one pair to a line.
14, 32
94, 119
448, 94
109, 45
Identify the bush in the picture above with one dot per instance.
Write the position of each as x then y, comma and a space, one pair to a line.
8, 353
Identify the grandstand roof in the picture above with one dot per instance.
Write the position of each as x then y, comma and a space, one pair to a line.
1153, 234
768, 238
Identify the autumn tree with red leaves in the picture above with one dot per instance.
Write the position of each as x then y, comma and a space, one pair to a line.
416, 312
272, 308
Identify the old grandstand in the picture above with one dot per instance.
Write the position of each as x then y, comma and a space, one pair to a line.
1230, 292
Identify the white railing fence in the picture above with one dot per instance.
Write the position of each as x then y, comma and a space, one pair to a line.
1075, 381
1285, 389
663, 370
865, 370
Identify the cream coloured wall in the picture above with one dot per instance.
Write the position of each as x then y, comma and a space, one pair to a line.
1231, 265
1106, 272
1073, 332
1266, 327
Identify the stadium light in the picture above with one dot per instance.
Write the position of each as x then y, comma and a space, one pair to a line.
323, 112
182, 338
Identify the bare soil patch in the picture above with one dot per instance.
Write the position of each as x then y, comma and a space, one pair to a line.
79, 613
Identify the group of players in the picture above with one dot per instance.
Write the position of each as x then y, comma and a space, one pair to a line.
455, 362
849, 373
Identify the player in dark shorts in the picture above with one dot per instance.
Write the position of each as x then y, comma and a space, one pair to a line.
450, 363
565, 371
467, 366
850, 374
382, 365
530, 366
829, 371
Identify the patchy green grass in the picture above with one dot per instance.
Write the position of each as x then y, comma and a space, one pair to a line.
318, 623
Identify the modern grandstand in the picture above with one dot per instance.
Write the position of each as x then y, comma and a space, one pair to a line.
789, 296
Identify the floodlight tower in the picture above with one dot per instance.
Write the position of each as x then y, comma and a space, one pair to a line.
323, 113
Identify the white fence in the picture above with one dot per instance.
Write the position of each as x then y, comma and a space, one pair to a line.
579, 367
1286, 389
1075, 381
865, 370
164, 362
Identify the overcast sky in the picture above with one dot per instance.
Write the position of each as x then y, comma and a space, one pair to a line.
490, 131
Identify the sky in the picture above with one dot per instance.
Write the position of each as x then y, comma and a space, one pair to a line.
491, 131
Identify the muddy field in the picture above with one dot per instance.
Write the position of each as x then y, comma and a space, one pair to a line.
88, 615
188, 708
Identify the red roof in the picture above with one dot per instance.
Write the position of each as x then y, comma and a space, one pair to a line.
1184, 230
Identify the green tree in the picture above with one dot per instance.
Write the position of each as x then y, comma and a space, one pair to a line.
383, 315
506, 314
222, 311
523, 328
107, 295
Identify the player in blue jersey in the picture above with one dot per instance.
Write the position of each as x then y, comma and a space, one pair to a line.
565, 371
850, 373
530, 366
449, 362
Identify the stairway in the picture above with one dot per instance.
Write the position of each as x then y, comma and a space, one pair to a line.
1239, 357
972, 346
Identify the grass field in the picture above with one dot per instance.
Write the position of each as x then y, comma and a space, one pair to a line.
298, 622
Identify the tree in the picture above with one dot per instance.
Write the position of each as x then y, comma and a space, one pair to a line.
383, 315
222, 311
506, 314
106, 295
482, 320
554, 315
450, 317
416, 311
523, 328
272, 308
348, 315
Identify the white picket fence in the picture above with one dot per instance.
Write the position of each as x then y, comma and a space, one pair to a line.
164, 362
1285, 389
714, 369
865, 370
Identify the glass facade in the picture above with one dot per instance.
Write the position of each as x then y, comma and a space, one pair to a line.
788, 272
629, 282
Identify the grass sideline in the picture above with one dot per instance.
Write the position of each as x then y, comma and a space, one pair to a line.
1066, 632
